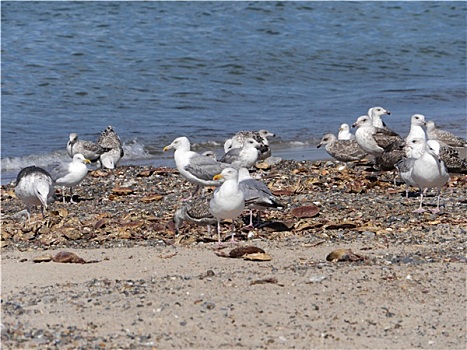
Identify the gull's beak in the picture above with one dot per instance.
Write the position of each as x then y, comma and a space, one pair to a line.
87, 161
166, 148
354, 125
388, 113
217, 177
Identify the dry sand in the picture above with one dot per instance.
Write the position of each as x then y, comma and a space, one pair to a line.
409, 291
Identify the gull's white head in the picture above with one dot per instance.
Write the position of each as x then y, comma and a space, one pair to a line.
180, 143
377, 112
418, 120
363, 120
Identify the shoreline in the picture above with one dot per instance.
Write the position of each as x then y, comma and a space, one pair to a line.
146, 287
297, 153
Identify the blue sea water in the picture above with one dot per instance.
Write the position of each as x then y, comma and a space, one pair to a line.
159, 70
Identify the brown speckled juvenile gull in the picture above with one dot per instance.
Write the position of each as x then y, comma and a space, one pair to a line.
195, 211
261, 136
88, 149
450, 156
244, 157
342, 150
447, 137
110, 141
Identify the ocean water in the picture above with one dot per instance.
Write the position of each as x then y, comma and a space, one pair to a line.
159, 70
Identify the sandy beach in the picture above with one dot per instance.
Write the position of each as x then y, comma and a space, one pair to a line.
144, 287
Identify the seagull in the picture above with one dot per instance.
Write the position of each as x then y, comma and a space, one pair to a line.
194, 167
228, 200
342, 150
210, 154
375, 114
390, 156
261, 136
371, 139
450, 156
344, 133
257, 194
428, 171
444, 136
34, 186
244, 157
196, 211
70, 174
88, 149
110, 141
404, 167
416, 130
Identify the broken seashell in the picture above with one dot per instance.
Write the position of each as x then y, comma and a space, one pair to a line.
241, 251
344, 255
122, 191
43, 258
306, 211
151, 198
257, 257
68, 257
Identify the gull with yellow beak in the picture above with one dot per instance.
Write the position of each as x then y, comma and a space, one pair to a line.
228, 201
70, 174
195, 167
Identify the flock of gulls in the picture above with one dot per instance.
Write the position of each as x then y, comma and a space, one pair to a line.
423, 159
36, 186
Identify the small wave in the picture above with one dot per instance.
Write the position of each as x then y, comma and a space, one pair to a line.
40, 160
135, 150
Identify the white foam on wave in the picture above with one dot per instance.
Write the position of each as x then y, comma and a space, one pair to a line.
135, 150
40, 160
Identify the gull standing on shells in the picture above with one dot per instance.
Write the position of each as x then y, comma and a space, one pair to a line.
404, 168
344, 133
110, 141
444, 136
70, 174
342, 150
405, 164
228, 201
195, 211
450, 156
257, 195
428, 171
194, 167
34, 186
391, 155
88, 149
261, 136
244, 157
